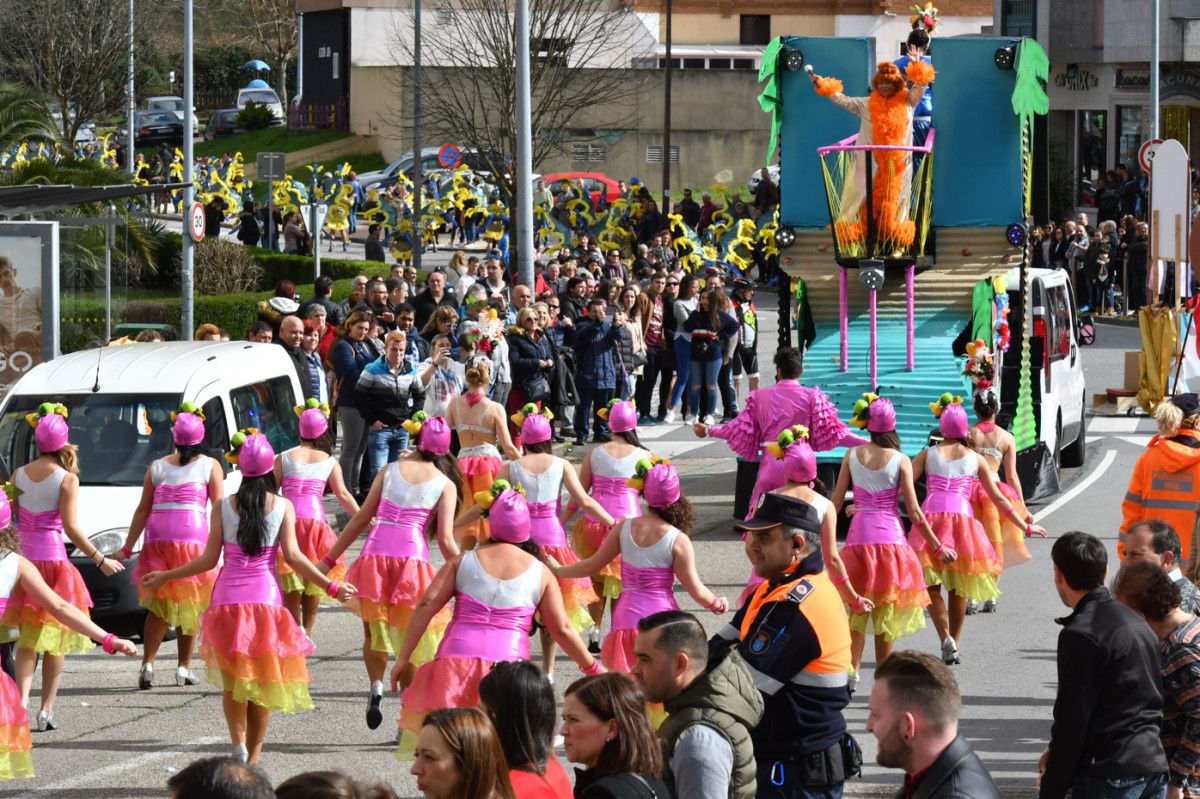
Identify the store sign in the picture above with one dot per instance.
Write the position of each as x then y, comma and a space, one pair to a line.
1180, 81
1137, 80
1082, 81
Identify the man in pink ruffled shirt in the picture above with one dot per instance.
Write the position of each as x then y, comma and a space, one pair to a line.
772, 409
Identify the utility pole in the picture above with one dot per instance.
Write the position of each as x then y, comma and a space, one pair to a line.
1154, 69
417, 177
666, 155
131, 109
186, 278
523, 177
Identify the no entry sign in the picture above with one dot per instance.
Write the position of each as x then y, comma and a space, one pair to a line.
449, 156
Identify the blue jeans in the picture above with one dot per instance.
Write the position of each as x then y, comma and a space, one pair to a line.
1142, 786
683, 360
591, 399
703, 376
383, 447
1102, 297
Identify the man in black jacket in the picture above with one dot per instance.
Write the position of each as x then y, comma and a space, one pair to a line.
914, 717
1108, 712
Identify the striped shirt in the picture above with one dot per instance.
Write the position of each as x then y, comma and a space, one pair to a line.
1181, 701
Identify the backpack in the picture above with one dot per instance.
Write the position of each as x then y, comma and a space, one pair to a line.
249, 230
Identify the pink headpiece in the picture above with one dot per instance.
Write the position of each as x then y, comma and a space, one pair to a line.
882, 416
188, 429
536, 429
953, 421
508, 517
434, 436
662, 486
800, 462
6, 506
255, 456
51, 432
313, 423
622, 416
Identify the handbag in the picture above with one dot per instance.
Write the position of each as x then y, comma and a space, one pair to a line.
537, 389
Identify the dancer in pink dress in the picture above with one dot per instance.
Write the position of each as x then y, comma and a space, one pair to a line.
497, 588
654, 550
49, 487
302, 474
605, 473
420, 491
879, 563
253, 649
543, 476
952, 468
18, 573
173, 513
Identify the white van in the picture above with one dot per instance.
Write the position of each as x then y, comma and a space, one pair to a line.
120, 401
1060, 392
266, 97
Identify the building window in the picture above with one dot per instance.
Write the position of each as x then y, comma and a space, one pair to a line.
1093, 163
654, 154
694, 63
1129, 133
756, 29
549, 49
589, 153
1018, 18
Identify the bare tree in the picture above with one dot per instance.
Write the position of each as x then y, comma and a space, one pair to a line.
582, 54
266, 24
75, 52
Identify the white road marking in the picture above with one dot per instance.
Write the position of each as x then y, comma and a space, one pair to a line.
90, 778
1078, 488
1116, 424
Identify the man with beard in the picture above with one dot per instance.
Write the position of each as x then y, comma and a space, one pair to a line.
913, 714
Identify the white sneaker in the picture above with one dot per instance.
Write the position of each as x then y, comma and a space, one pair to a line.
689, 420
707, 419
670, 417
184, 676
950, 651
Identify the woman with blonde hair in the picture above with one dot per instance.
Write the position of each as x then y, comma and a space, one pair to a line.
458, 756
481, 424
49, 487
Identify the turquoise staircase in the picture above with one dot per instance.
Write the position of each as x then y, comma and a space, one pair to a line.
943, 307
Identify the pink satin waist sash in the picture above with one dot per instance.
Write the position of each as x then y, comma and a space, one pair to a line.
948, 494
482, 631
615, 497
306, 496
184, 525
398, 532
41, 535
194, 494
248, 579
544, 527
875, 527
643, 591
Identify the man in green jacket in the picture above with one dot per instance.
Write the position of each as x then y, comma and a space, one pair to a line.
707, 750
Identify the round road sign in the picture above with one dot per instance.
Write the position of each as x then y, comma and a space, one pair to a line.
449, 156
196, 221
1146, 153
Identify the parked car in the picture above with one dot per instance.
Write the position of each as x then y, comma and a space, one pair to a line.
266, 97
122, 428
222, 123
87, 131
173, 104
386, 177
600, 187
155, 127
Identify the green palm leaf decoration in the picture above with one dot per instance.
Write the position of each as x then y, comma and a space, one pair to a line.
771, 98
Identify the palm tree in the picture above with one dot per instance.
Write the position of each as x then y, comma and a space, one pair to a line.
24, 117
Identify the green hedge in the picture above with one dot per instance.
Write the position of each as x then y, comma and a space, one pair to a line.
279, 266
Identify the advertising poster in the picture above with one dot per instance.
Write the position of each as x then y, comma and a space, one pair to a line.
28, 297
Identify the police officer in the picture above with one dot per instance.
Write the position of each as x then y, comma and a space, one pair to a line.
794, 636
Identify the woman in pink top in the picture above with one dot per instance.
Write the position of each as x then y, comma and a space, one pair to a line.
253, 649
173, 513
497, 588
302, 474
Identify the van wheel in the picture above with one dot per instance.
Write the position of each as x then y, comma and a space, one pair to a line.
1073, 454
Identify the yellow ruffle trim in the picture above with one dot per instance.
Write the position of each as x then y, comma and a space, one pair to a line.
612, 587
16, 766
183, 616
288, 697
889, 621
52, 639
386, 638
980, 587
290, 583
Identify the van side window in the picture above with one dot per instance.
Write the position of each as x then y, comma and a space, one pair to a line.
268, 406
1059, 312
216, 432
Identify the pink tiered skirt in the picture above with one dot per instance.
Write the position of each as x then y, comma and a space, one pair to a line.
177, 602
587, 536
973, 574
15, 743
1007, 537
577, 592
889, 575
258, 653
388, 591
39, 630
315, 538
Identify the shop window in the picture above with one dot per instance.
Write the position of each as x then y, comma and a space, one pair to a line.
1093, 161
1129, 133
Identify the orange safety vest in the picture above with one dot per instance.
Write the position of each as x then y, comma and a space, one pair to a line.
1165, 485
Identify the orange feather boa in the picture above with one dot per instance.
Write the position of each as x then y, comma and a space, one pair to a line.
890, 124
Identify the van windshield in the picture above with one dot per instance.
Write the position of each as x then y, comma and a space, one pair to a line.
118, 435
264, 97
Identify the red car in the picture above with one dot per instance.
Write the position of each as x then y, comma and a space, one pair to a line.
596, 184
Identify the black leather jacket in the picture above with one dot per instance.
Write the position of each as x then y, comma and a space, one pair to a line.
958, 773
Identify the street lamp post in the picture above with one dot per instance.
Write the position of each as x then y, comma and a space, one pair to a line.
186, 279
417, 177
523, 177
131, 105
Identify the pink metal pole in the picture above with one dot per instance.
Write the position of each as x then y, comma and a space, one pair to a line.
844, 317
873, 354
910, 273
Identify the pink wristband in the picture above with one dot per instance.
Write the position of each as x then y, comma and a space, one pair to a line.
845, 579
328, 561
592, 670
127, 552
333, 588
107, 643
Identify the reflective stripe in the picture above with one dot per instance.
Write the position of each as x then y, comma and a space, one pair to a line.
1169, 504
812, 679
1132, 497
763, 682
729, 633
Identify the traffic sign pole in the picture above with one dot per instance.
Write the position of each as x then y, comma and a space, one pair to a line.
187, 271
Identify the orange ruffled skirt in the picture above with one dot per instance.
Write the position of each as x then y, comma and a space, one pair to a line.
587, 536
388, 591
258, 653
478, 473
38, 629
442, 682
890, 575
577, 592
15, 743
177, 602
1008, 538
973, 574
314, 538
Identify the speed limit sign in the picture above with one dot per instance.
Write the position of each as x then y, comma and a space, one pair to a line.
1146, 153
196, 222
